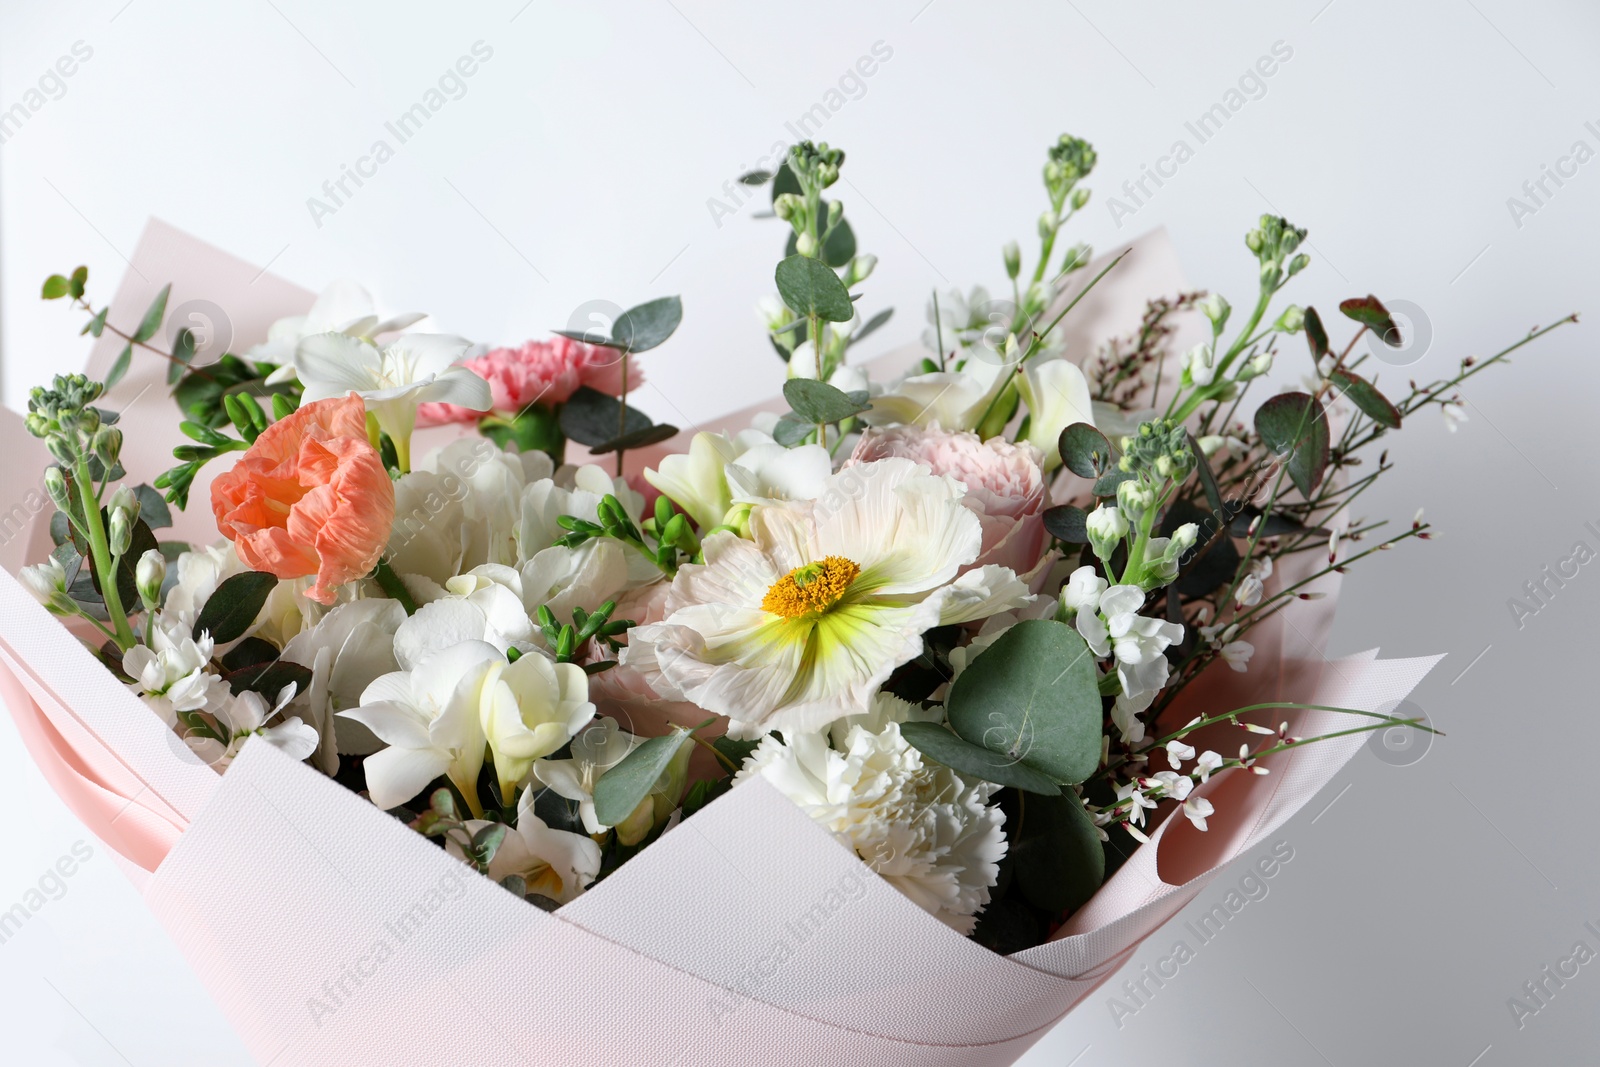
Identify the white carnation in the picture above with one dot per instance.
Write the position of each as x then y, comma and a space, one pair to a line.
918, 825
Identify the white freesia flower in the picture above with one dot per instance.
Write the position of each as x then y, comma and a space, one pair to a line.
951, 400
413, 369
802, 623
750, 467
1057, 395
496, 590
918, 825
556, 864
562, 578
694, 479
169, 672
344, 307
596, 749
577, 491
529, 709
429, 717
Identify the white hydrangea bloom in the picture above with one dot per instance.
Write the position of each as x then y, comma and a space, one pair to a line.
918, 825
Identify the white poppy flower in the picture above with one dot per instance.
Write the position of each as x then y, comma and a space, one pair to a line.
414, 369
802, 623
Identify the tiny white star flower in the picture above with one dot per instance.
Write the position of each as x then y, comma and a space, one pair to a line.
1140, 802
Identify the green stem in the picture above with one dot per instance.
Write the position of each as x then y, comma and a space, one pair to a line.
104, 563
396, 590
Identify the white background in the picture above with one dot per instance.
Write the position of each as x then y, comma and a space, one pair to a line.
578, 166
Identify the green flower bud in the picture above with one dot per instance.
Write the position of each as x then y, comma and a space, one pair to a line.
835, 213
121, 532
1106, 526
1291, 321
1013, 258
1048, 223
1298, 264
806, 244
1217, 309
149, 576
787, 205
1080, 197
107, 445
55, 483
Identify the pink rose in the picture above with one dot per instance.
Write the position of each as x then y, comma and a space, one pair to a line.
543, 372
1005, 485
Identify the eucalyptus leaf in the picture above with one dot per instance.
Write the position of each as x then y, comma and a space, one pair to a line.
621, 788
151, 323
810, 287
1208, 480
234, 606
1107, 484
1060, 862
153, 507
871, 325
1068, 523
590, 417
1370, 312
1364, 395
974, 761
590, 337
642, 328
1084, 450
650, 435
791, 430
268, 679
816, 401
1295, 425
119, 366
1032, 696
182, 355
1316, 335
55, 287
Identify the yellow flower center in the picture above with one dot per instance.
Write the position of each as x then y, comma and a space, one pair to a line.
812, 589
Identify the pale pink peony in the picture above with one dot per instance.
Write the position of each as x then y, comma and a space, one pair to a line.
1004, 481
543, 372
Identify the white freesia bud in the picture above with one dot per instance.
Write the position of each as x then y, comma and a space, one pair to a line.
1106, 526
1057, 395
149, 575
1217, 309
1201, 364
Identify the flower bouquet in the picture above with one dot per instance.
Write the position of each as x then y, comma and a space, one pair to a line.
448, 708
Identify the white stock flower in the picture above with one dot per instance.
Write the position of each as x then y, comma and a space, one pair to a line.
801, 624
919, 825
47, 582
1082, 591
750, 467
169, 672
414, 369
1201, 364
245, 716
596, 749
1057, 395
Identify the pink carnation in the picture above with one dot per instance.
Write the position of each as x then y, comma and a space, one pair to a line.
542, 372
1005, 485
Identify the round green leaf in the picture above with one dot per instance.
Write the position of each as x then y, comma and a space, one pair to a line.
591, 418
644, 327
1032, 697
1068, 523
1085, 450
1364, 395
622, 787
1370, 312
810, 287
1294, 425
963, 757
1059, 859
816, 401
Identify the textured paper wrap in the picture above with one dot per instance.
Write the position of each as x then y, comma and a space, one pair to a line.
330, 934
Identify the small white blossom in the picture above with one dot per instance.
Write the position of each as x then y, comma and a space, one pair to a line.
1177, 752
1174, 785
1454, 415
1249, 592
1140, 803
1236, 654
1209, 761
1197, 810
1082, 591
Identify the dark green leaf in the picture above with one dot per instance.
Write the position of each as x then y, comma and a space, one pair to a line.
151, 323
152, 508
1294, 425
810, 287
644, 327
1060, 862
871, 325
1208, 480
234, 606
736, 751
791, 430
119, 366
75, 284
251, 652
1007, 926
1067, 522
590, 417
535, 429
1316, 335
755, 177
55, 287
974, 761
1370, 312
486, 842
268, 679
784, 181
1213, 560
816, 401
1084, 450
1108, 482
650, 435
1032, 696
622, 787
182, 355
515, 884
1364, 395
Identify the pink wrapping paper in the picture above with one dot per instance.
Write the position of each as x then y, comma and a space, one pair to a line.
328, 933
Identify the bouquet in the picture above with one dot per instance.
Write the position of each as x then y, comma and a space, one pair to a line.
1009, 627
